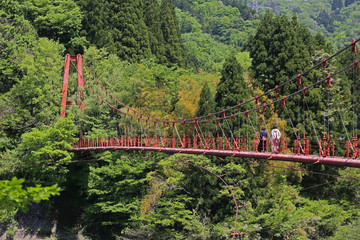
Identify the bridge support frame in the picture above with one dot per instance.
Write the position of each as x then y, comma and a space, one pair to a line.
79, 68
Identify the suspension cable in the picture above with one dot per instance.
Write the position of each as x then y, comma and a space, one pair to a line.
250, 100
240, 113
291, 122
232, 136
342, 120
312, 122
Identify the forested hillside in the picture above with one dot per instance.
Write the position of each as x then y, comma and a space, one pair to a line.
173, 60
337, 20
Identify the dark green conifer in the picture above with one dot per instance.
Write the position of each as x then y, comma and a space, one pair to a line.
278, 51
259, 47
118, 26
336, 5
206, 101
348, 2
153, 22
130, 34
174, 47
232, 88
96, 23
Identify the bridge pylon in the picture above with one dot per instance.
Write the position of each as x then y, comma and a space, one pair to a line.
79, 68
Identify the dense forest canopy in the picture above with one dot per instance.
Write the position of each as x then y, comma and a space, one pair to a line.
173, 60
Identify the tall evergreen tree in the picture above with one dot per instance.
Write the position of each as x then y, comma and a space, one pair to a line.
118, 26
336, 5
278, 51
174, 47
152, 20
232, 88
348, 2
96, 23
206, 101
280, 56
259, 47
130, 34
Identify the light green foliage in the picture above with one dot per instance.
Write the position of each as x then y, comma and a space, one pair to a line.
213, 29
59, 20
244, 59
49, 144
32, 101
346, 188
170, 93
157, 196
209, 53
188, 24
224, 20
13, 195
189, 194
345, 29
172, 220
44, 152
114, 194
16, 36
333, 19
349, 231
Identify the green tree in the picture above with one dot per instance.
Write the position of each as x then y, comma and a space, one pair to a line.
96, 23
286, 50
210, 54
277, 53
349, 2
47, 149
336, 5
152, 19
13, 195
118, 26
30, 73
114, 194
188, 23
206, 101
174, 47
232, 88
32, 101
184, 200
16, 34
129, 32
349, 231
59, 20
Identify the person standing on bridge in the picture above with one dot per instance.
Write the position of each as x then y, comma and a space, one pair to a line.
275, 139
263, 140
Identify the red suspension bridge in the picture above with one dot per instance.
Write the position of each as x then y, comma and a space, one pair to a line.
214, 133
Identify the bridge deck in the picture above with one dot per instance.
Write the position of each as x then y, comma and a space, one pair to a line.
341, 161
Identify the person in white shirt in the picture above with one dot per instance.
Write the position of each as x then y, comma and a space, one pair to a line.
275, 139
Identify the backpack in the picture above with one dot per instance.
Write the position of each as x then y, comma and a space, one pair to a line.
275, 134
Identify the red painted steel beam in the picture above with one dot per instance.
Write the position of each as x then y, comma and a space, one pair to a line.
64, 103
65, 85
340, 161
80, 80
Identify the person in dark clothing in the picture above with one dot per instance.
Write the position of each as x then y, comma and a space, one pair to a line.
263, 140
